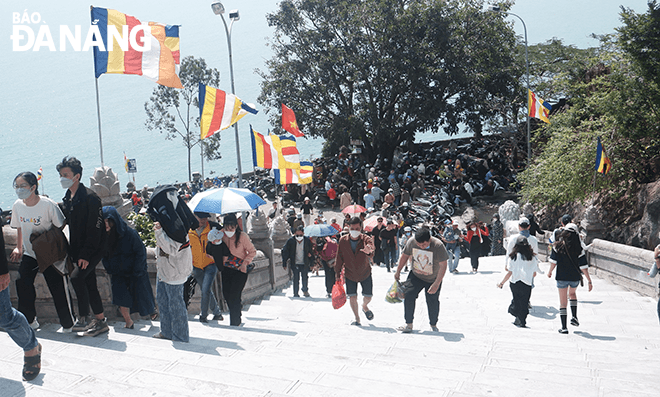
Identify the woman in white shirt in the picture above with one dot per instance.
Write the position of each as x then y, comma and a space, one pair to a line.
30, 214
521, 270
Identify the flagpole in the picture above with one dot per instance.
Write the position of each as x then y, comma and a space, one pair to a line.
98, 114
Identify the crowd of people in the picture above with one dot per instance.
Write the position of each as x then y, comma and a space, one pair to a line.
387, 231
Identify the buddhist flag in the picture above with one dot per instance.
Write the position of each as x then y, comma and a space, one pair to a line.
289, 122
603, 163
131, 47
125, 163
538, 108
303, 176
40, 174
219, 110
306, 172
274, 151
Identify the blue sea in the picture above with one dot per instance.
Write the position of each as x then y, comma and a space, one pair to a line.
48, 97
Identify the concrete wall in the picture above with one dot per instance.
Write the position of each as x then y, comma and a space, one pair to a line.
258, 285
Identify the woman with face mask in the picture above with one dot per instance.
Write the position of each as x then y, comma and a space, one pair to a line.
33, 215
233, 279
475, 235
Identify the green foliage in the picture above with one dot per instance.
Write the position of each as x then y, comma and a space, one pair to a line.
383, 70
145, 228
175, 112
613, 97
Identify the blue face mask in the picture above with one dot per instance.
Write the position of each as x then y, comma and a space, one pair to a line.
525, 233
23, 193
66, 182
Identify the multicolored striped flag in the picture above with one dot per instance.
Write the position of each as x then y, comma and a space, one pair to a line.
603, 163
303, 176
274, 151
131, 47
538, 108
40, 174
219, 110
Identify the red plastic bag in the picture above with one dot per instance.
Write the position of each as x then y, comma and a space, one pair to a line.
339, 293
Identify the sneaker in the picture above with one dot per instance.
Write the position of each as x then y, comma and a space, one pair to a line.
203, 319
306, 294
296, 296
97, 327
34, 324
563, 331
405, 329
455, 271
81, 325
575, 322
63, 330
218, 317
434, 328
328, 295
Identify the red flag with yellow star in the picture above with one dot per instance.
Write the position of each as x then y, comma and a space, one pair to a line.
289, 122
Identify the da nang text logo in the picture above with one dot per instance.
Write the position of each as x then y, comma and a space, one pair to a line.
24, 38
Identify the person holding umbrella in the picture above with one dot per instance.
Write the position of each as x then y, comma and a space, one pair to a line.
298, 251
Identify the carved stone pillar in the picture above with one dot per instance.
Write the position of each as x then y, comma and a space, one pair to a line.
105, 183
592, 225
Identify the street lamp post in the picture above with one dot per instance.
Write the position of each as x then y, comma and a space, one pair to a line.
219, 9
529, 144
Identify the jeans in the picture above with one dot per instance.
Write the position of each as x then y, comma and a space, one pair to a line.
388, 257
57, 284
205, 278
299, 270
330, 276
456, 254
520, 305
15, 324
84, 283
233, 282
432, 301
172, 312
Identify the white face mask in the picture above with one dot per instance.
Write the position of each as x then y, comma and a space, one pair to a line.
229, 234
474, 229
355, 233
299, 238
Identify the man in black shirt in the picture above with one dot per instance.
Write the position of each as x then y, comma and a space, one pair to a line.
84, 215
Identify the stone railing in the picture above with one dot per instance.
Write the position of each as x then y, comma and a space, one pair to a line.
621, 264
259, 284
624, 265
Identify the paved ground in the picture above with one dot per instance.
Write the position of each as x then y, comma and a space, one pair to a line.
302, 347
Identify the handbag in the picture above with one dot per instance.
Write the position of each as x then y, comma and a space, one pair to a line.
233, 262
338, 293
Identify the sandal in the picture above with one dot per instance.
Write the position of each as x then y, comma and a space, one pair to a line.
369, 314
357, 323
32, 366
154, 316
160, 336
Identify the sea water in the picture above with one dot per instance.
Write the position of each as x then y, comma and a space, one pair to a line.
48, 98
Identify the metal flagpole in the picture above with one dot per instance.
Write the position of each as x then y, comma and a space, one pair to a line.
98, 113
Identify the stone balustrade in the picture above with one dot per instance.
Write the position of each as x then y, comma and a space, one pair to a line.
259, 284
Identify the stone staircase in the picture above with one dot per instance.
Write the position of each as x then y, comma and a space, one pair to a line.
302, 347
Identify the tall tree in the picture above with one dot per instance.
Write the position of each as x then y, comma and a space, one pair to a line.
383, 70
614, 97
175, 112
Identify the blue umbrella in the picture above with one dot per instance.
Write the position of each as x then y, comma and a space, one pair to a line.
225, 200
320, 230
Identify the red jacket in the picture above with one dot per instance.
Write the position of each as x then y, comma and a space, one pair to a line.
356, 264
480, 232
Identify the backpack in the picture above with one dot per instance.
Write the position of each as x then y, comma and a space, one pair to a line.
172, 213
